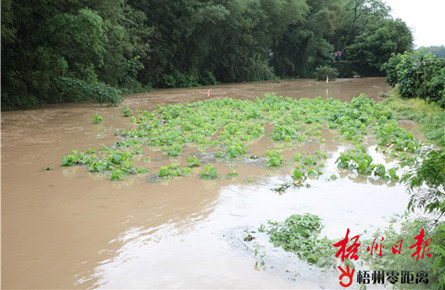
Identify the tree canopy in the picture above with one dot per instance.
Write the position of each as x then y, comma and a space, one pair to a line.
438, 51
63, 51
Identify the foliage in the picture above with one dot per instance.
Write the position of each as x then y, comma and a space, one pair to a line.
236, 148
97, 119
89, 54
192, 161
282, 132
127, 111
173, 170
374, 47
298, 174
174, 150
299, 234
304, 44
232, 173
76, 90
275, 158
417, 74
324, 72
108, 160
99, 49
410, 228
209, 172
225, 128
426, 182
438, 51
430, 116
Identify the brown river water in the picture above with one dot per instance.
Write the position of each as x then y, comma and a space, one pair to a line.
68, 228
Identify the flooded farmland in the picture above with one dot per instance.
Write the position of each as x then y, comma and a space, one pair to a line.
70, 228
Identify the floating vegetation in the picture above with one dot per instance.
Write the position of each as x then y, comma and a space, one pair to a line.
127, 112
173, 170
282, 188
209, 172
96, 119
226, 128
108, 160
299, 234
232, 173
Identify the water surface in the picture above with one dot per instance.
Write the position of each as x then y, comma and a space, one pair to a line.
68, 228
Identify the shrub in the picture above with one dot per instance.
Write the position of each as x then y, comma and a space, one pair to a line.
429, 172
323, 72
416, 74
75, 90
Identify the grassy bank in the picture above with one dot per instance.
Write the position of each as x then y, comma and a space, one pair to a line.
431, 117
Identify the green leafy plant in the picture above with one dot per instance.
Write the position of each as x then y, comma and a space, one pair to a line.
380, 170
174, 150
282, 188
299, 234
392, 172
417, 74
298, 156
117, 174
284, 133
90, 151
299, 174
309, 160
314, 171
410, 228
127, 112
429, 172
357, 159
275, 158
232, 173
324, 72
333, 177
97, 119
192, 161
173, 170
231, 125
236, 148
320, 155
209, 172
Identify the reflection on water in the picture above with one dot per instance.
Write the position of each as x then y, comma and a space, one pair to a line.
66, 228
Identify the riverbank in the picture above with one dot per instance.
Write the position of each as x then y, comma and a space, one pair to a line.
430, 116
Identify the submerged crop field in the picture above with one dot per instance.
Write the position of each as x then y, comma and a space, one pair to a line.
233, 191
202, 134
216, 139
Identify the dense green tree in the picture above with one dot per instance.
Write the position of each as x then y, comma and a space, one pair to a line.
438, 51
374, 47
367, 35
61, 51
57, 51
358, 15
230, 39
245, 55
304, 45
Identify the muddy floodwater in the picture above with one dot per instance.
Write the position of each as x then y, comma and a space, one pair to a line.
68, 228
